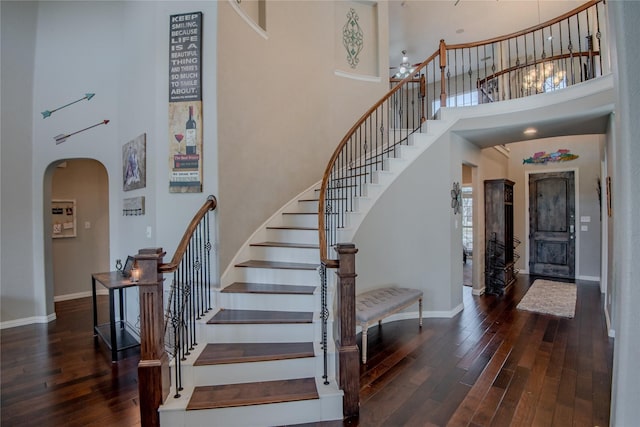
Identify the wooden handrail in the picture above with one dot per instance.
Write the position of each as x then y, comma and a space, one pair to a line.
170, 267
528, 30
325, 178
441, 53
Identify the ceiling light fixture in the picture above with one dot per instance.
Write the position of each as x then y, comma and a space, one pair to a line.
530, 131
405, 69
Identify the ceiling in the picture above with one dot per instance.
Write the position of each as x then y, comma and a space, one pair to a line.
418, 25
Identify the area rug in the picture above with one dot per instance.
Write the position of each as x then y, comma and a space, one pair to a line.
549, 297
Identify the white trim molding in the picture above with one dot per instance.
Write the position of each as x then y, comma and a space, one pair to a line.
27, 321
257, 28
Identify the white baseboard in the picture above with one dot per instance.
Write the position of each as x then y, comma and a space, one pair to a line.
27, 321
68, 297
589, 278
477, 292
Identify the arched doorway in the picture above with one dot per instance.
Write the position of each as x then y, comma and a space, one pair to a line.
76, 224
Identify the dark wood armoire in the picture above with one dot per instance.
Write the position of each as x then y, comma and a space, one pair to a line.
499, 254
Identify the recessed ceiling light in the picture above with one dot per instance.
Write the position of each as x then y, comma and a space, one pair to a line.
530, 131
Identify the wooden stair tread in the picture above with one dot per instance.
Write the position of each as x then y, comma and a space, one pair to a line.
223, 353
247, 317
233, 395
287, 245
278, 265
268, 288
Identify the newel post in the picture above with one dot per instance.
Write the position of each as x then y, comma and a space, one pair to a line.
153, 369
443, 65
347, 350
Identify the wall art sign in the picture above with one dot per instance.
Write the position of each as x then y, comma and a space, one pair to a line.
185, 103
542, 157
134, 163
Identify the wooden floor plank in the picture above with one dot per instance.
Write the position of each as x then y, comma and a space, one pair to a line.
54, 374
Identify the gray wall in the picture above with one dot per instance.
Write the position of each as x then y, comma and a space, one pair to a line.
76, 258
625, 16
589, 149
398, 242
120, 56
19, 21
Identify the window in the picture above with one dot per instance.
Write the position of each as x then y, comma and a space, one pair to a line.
459, 100
467, 219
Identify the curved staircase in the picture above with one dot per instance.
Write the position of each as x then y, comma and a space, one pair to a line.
260, 361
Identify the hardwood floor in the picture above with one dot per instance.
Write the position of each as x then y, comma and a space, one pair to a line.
492, 365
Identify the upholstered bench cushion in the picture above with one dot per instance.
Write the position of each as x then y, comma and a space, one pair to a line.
377, 303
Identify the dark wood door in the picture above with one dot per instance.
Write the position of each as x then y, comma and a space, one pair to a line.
552, 224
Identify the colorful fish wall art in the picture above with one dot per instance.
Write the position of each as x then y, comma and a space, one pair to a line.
542, 157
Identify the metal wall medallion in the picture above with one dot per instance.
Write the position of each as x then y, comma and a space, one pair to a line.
352, 38
456, 198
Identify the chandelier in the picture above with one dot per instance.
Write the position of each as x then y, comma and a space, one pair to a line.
544, 77
405, 69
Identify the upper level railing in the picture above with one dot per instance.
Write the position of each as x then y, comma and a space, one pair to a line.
558, 53
172, 332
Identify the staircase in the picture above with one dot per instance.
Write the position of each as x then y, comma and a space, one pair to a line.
262, 363
260, 360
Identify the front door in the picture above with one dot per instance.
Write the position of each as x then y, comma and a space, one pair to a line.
552, 224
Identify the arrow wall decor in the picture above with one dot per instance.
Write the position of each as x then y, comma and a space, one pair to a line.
62, 137
86, 96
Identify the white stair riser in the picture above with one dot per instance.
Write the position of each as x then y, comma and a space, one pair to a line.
344, 192
395, 165
278, 302
278, 276
285, 254
307, 206
299, 220
293, 236
250, 372
305, 411
382, 177
289, 332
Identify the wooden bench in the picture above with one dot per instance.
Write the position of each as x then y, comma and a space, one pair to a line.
373, 306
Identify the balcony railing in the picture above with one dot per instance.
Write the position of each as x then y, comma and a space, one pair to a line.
553, 55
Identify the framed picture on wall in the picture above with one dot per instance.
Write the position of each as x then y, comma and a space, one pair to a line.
134, 163
63, 218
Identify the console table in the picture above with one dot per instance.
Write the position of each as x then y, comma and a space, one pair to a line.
114, 333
